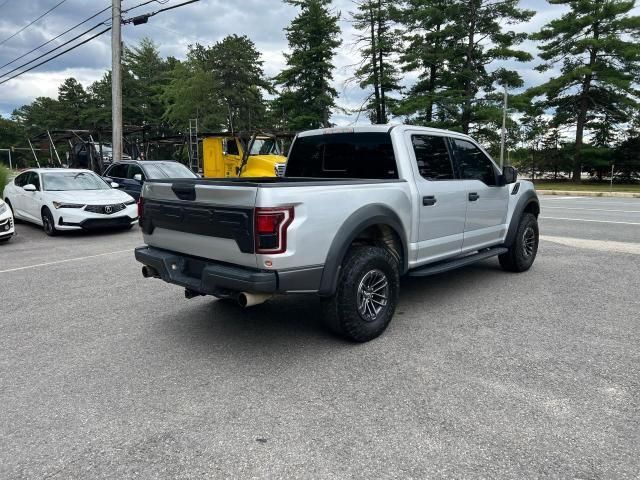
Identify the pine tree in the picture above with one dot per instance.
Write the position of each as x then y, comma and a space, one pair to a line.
480, 41
377, 45
307, 96
72, 104
222, 85
144, 75
428, 35
599, 64
451, 43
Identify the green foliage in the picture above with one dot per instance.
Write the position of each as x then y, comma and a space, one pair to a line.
307, 96
599, 65
452, 45
4, 178
377, 44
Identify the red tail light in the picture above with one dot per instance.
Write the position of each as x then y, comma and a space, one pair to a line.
271, 229
140, 208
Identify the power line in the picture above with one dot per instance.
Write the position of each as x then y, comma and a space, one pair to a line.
51, 40
32, 22
145, 17
58, 55
4, 3
68, 30
132, 20
68, 41
51, 51
162, 2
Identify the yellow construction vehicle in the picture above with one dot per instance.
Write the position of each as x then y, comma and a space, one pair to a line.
260, 154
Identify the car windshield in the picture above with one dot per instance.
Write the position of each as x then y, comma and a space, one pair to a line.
265, 146
168, 170
62, 181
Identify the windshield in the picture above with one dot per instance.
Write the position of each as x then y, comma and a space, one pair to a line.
168, 170
62, 181
176, 170
265, 146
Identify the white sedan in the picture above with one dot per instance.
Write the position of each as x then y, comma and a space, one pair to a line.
69, 199
6, 222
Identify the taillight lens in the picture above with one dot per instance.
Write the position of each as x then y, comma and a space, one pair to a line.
271, 229
140, 208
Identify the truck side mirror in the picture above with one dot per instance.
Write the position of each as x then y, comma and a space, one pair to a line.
138, 177
509, 175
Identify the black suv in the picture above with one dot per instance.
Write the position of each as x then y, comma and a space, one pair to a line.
131, 174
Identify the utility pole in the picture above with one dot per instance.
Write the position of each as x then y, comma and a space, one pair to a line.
116, 79
504, 127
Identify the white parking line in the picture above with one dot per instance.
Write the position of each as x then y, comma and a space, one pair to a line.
594, 221
595, 209
601, 245
566, 198
57, 262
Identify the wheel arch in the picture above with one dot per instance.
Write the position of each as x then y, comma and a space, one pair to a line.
527, 203
374, 225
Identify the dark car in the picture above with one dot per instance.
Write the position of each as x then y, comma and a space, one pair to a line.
131, 174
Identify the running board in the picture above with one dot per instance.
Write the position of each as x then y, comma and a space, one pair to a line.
447, 265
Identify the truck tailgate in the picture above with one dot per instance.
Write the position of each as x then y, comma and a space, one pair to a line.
208, 220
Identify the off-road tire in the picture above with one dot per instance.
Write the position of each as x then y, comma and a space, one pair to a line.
522, 253
341, 313
48, 223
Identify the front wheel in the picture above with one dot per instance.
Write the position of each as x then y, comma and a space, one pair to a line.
367, 294
48, 223
523, 252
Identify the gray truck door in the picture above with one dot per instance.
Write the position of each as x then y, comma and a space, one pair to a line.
442, 199
487, 202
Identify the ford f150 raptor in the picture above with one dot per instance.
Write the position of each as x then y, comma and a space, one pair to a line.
356, 209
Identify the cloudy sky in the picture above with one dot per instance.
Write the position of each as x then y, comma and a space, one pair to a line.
205, 22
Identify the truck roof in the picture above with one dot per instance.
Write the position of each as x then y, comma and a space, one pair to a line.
379, 128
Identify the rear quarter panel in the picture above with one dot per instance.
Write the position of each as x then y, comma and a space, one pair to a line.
320, 211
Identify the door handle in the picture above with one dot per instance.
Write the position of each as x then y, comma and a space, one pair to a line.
473, 197
429, 201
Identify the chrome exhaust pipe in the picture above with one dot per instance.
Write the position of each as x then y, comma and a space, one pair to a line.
246, 299
150, 272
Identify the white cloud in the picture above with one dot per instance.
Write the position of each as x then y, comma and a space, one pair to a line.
205, 22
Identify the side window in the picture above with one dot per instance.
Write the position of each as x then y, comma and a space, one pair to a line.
117, 171
473, 164
21, 180
432, 157
232, 146
134, 170
35, 180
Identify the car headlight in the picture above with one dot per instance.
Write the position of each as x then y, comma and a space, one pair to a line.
3, 208
130, 202
67, 205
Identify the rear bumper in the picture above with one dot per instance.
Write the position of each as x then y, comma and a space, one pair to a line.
215, 278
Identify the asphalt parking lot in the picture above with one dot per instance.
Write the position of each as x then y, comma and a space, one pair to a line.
481, 374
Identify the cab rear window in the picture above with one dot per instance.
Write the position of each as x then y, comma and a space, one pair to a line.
343, 155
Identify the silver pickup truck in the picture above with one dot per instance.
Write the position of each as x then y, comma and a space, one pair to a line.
356, 209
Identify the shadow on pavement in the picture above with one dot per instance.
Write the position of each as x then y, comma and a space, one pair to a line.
295, 321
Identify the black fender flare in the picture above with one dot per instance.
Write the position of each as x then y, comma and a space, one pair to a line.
357, 222
524, 201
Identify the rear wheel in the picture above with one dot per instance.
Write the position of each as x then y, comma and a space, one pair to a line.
522, 253
48, 223
367, 294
